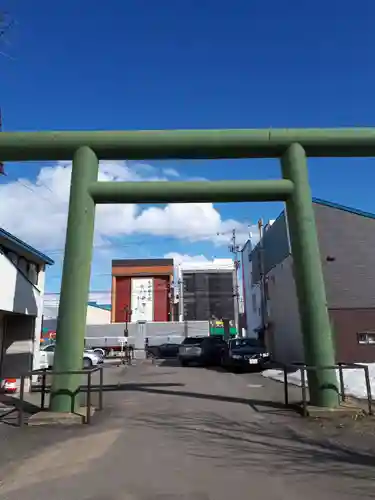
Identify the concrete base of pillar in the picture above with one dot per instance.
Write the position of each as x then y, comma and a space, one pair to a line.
54, 418
345, 409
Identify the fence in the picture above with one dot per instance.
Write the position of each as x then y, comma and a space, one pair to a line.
303, 368
44, 389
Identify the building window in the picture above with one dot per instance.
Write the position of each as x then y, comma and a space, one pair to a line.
366, 338
254, 297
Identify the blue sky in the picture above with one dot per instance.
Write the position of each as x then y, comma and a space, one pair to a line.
171, 64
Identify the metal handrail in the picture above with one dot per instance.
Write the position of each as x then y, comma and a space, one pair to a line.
339, 366
43, 389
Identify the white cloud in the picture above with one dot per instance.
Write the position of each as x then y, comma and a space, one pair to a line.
37, 211
180, 258
171, 172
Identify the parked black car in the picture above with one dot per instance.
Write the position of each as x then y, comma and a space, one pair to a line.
163, 351
205, 351
243, 354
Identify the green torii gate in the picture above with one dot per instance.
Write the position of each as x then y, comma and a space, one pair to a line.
87, 148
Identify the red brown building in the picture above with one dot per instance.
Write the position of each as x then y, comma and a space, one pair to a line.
141, 290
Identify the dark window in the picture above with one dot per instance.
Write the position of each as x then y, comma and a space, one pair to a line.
218, 339
193, 340
266, 291
207, 295
189, 283
189, 310
244, 343
366, 338
254, 299
49, 348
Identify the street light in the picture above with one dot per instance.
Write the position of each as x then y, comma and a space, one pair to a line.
127, 314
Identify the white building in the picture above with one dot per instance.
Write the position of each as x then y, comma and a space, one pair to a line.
97, 314
22, 270
252, 294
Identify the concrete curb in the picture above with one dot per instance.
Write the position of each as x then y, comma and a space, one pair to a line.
48, 418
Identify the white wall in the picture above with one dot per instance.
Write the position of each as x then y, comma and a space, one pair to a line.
254, 309
22, 341
38, 320
17, 294
251, 294
286, 342
97, 316
142, 299
158, 332
94, 316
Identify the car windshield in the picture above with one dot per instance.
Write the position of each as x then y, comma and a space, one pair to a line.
50, 347
193, 340
237, 343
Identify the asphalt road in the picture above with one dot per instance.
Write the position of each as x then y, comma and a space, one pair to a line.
187, 433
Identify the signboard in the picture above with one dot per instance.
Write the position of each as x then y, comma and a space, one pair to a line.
217, 328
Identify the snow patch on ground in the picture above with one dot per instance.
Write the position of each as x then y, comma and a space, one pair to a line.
354, 379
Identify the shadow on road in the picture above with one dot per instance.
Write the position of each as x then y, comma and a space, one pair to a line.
166, 390
263, 446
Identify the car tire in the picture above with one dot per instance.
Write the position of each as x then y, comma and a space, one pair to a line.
87, 363
183, 362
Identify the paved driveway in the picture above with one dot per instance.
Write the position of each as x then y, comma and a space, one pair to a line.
188, 433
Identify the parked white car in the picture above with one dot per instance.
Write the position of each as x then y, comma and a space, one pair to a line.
47, 354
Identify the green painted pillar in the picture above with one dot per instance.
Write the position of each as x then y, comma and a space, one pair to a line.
75, 282
315, 322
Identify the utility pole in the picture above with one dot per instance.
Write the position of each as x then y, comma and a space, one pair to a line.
234, 249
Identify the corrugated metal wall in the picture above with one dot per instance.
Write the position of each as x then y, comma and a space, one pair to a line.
275, 248
157, 332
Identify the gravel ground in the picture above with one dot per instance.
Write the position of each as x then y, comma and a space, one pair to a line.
187, 433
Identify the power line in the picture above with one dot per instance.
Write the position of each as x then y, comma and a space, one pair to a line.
201, 291
114, 245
